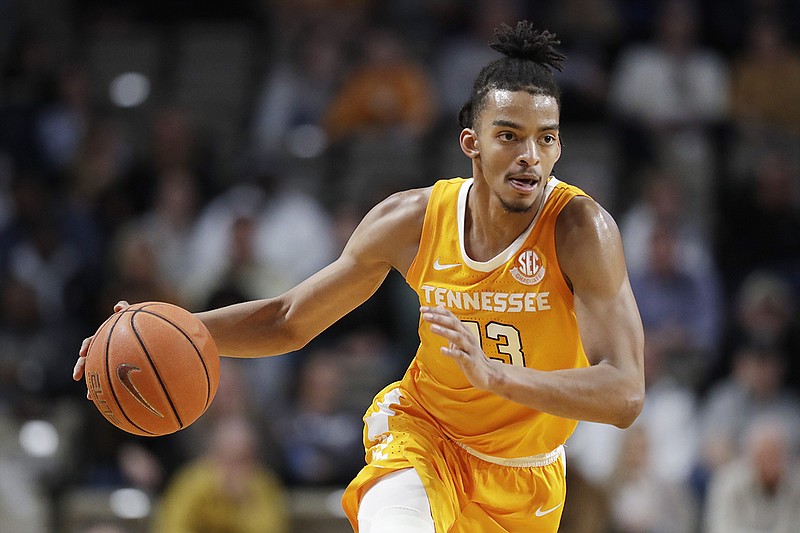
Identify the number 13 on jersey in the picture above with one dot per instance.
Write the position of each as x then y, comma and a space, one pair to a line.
506, 338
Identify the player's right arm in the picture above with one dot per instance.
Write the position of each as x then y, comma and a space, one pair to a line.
387, 237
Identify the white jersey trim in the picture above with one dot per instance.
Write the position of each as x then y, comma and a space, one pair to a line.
543, 459
378, 422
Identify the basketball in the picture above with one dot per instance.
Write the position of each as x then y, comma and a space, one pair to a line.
152, 369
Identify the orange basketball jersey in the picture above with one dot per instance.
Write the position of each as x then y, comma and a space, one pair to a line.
520, 306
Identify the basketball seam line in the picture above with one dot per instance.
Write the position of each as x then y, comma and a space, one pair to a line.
111, 383
153, 366
191, 341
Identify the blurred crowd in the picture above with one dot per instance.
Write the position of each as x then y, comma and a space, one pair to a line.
205, 153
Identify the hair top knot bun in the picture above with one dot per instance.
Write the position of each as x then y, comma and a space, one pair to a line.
528, 61
525, 42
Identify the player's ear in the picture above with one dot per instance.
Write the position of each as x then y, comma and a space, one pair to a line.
560, 146
469, 143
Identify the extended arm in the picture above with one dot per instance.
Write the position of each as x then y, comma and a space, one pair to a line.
387, 237
288, 322
611, 390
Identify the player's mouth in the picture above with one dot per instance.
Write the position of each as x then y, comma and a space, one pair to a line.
524, 183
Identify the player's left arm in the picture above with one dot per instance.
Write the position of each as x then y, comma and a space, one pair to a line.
611, 390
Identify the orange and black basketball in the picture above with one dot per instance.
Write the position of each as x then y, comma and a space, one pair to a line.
152, 369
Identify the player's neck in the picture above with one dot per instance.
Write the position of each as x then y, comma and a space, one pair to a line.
489, 228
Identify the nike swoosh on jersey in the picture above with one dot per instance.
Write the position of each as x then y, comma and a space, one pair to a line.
439, 266
124, 374
539, 511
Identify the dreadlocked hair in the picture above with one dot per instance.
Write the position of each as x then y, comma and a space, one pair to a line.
528, 63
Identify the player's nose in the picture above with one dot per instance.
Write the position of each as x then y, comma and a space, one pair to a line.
529, 153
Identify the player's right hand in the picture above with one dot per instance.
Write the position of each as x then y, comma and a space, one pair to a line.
77, 371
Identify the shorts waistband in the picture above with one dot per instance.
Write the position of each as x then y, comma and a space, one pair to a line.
543, 459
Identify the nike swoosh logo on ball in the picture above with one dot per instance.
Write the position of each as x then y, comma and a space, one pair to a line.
124, 374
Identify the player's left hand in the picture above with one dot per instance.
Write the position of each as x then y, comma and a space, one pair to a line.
463, 346
80, 364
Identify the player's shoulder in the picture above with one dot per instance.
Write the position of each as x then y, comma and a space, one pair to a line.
401, 211
391, 230
584, 216
406, 203
409, 207
588, 242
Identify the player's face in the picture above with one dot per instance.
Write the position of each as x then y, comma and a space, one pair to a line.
516, 146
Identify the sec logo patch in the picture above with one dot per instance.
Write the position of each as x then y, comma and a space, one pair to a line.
529, 269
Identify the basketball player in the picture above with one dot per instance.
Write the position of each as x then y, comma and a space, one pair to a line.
528, 322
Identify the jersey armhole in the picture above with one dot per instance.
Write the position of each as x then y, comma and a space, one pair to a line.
414, 273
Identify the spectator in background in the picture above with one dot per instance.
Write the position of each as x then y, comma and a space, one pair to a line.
96, 179
670, 94
236, 398
670, 418
760, 217
761, 490
245, 237
289, 216
319, 436
726, 22
173, 145
63, 124
222, 248
680, 306
387, 93
228, 489
48, 263
31, 348
640, 500
755, 388
112, 459
659, 204
295, 95
766, 81
134, 270
169, 223
379, 121
48, 245
764, 313
367, 358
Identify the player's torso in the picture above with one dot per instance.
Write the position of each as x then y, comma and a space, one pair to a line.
520, 306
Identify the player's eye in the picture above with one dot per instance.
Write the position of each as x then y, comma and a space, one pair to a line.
506, 136
549, 139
